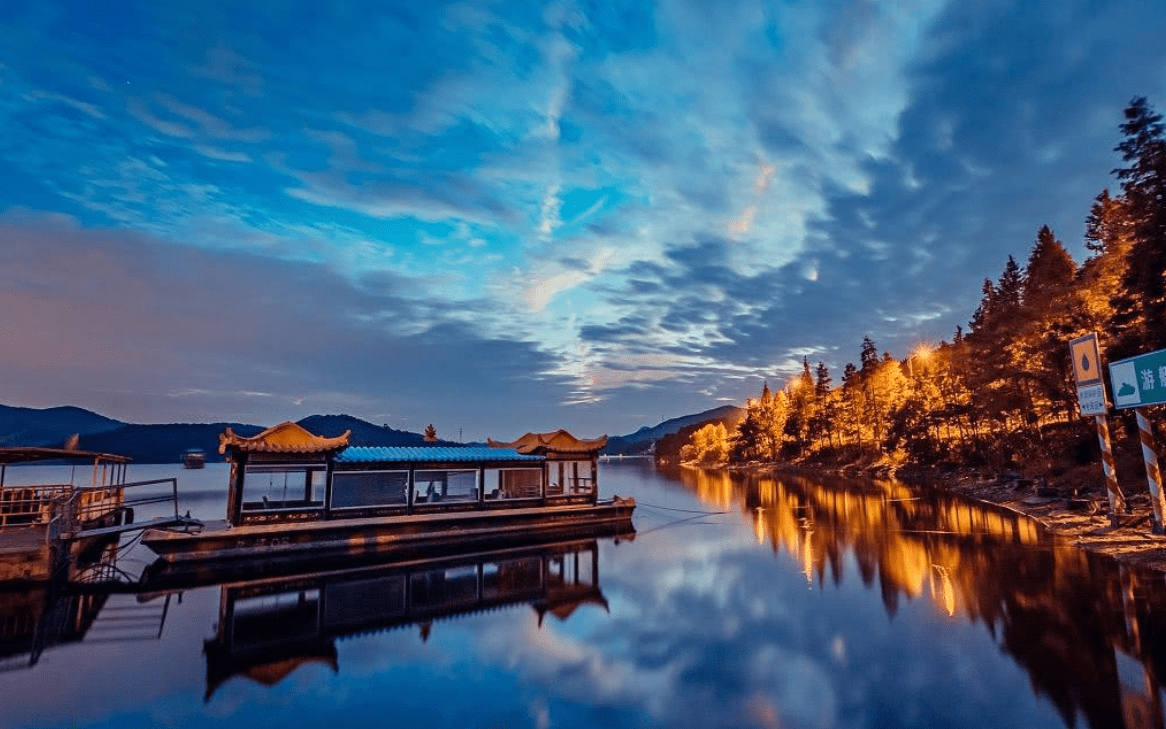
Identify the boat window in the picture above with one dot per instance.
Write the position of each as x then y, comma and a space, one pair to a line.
513, 483
577, 477
354, 489
272, 486
438, 486
570, 478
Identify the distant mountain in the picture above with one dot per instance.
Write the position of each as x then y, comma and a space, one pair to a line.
641, 441
49, 426
365, 433
165, 443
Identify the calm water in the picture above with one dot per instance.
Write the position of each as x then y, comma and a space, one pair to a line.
741, 602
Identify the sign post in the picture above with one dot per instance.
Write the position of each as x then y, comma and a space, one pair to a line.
1138, 382
1086, 357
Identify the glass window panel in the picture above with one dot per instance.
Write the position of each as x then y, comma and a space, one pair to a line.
514, 483
354, 489
268, 487
438, 486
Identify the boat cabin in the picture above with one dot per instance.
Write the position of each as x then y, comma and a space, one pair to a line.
287, 474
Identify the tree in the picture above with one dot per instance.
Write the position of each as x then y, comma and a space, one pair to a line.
826, 400
992, 357
1103, 303
430, 434
710, 444
1049, 301
1143, 184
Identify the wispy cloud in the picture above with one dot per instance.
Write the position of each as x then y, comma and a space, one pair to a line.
638, 199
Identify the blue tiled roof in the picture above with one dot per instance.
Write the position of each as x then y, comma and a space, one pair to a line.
411, 454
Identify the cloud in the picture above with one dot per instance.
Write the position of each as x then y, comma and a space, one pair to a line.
719, 189
118, 322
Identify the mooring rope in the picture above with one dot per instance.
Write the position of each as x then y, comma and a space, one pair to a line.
686, 511
687, 521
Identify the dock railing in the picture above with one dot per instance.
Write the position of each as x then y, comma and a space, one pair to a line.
64, 508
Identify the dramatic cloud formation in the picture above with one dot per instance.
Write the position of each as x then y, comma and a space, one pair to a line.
499, 218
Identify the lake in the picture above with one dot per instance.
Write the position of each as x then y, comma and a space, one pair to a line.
742, 601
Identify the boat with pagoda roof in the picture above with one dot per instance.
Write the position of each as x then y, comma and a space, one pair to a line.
295, 494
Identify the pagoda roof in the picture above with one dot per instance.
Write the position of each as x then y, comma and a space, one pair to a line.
560, 441
283, 438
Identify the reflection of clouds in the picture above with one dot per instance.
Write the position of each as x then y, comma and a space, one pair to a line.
799, 689
706, 629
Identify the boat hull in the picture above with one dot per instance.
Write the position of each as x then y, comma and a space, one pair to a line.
381, 535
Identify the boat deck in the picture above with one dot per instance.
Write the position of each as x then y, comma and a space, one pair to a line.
374, 534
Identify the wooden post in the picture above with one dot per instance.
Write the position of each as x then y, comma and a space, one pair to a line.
1153, 475
1117, 501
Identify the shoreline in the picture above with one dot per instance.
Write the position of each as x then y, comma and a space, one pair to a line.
1080, 516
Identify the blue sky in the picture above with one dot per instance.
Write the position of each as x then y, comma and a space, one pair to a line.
501, 217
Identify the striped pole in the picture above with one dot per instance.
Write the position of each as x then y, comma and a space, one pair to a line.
1117, 502
1153, 475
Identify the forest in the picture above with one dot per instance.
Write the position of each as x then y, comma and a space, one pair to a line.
1000, 393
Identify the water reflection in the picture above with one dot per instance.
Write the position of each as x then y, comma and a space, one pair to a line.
39, 616
268, 628
1090, 633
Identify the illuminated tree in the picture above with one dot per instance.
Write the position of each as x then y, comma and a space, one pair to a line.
1143, 184
1050, 298
430, 434
710, 444
802, 408
823, 422
1103, 305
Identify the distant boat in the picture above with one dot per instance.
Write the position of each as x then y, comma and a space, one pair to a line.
194, 458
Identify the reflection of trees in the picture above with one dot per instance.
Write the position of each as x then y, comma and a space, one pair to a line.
1068, 617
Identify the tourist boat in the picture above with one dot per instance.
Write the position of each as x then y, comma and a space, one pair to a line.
293, 494
194, 458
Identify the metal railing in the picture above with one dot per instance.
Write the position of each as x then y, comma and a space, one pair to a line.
67, 508
32, 505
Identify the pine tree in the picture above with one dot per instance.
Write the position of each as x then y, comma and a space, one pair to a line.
1143, 184
1049, 274
827, 410
1104, 305
1049, 302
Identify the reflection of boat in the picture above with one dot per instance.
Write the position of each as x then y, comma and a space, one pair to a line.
269, 627
294, 494
194, 458
33, 515
36, 617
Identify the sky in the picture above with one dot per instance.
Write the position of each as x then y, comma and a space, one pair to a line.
500, 217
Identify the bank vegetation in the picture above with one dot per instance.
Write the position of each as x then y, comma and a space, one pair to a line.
1000, 394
